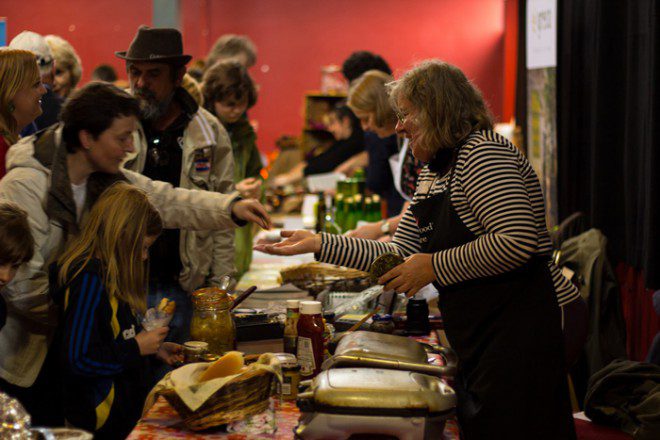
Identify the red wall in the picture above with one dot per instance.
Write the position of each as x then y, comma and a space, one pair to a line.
294, 38
95, 28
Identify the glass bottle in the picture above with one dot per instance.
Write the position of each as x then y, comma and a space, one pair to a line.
320, 213
291, 325
212, 321
310, 339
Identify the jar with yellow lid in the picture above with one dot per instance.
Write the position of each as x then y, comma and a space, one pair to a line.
212, 321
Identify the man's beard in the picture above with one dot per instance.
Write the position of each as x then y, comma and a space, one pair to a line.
150, 109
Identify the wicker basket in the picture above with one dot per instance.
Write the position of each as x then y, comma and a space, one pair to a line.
247, 395
316, 277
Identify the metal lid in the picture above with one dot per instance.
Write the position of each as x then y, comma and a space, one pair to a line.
381, 346
378, 388
287, 360
212, 298
196, 345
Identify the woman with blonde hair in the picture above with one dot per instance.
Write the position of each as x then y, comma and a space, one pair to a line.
367, 98
99, 283
68, 68
20, 96
476, 230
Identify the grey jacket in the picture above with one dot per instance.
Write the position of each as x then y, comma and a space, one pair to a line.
37, 180
205, 255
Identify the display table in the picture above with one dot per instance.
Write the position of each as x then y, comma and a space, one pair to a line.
162, 421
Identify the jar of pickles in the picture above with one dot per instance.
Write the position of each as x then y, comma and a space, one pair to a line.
212, 321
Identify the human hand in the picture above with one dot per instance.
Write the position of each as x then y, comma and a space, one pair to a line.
150, 341
170, 353
297, 242
279, 181
251, 210
249, 188
410, 276
370, 231
346, 168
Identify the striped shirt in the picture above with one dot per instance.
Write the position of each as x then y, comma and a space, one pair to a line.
498, 197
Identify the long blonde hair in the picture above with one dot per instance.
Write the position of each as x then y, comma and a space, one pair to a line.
114, 233
369, 95
18, 71
450, 105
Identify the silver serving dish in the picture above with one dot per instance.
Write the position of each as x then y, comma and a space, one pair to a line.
379, 350
368, 401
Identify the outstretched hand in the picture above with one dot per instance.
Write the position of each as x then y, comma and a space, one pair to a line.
252, 211
297, 242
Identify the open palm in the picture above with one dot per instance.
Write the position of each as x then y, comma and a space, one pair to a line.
297, 242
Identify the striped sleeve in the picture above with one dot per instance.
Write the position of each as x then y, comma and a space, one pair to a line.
88, 353
495, 193
358, 253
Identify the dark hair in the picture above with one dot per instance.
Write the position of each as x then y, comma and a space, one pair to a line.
104, 72
230, 45
93, 108
227, 79
342, 111
361, 61
16, 242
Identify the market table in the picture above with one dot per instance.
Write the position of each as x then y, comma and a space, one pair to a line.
162, 421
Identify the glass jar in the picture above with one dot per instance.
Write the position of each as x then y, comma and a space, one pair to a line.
212, 321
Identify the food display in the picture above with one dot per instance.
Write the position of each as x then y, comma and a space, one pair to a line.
228, 365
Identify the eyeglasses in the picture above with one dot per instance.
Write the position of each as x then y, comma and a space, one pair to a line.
401, 117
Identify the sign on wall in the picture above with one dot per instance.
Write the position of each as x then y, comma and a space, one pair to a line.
541, 33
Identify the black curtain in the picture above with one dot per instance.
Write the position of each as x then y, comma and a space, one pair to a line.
609, 124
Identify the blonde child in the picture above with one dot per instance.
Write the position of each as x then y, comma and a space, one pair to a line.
100, 286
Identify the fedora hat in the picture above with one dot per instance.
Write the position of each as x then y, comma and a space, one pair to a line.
158, 45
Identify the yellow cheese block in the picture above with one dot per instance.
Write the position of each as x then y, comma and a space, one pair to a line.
229, 364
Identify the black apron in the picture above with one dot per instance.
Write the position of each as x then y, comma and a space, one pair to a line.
506, 331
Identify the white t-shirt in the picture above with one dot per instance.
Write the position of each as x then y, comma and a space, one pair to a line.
79, 196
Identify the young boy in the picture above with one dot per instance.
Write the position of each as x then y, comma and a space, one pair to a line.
16, 247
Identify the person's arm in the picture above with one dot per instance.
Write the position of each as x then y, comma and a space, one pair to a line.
495, 191
293, 176
357, 253
376, 230
360, 160
87, 352
199, 210
27, 295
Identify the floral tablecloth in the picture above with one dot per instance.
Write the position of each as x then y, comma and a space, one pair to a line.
162, 422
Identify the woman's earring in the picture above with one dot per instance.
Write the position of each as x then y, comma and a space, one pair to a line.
12, 107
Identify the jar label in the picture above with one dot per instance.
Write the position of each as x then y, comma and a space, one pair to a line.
306, 356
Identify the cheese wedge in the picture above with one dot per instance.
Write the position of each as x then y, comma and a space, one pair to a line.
228, 365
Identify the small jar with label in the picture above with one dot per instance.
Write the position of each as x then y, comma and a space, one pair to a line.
194, 351
290, 327
310, 339
288, 389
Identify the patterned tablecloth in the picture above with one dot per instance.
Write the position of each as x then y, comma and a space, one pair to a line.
162, 422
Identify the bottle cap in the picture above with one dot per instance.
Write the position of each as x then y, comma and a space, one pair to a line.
310, 307
292, 303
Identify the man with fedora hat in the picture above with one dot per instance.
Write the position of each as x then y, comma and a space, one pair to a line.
179, 142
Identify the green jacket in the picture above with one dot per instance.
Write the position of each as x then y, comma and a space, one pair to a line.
247, 163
